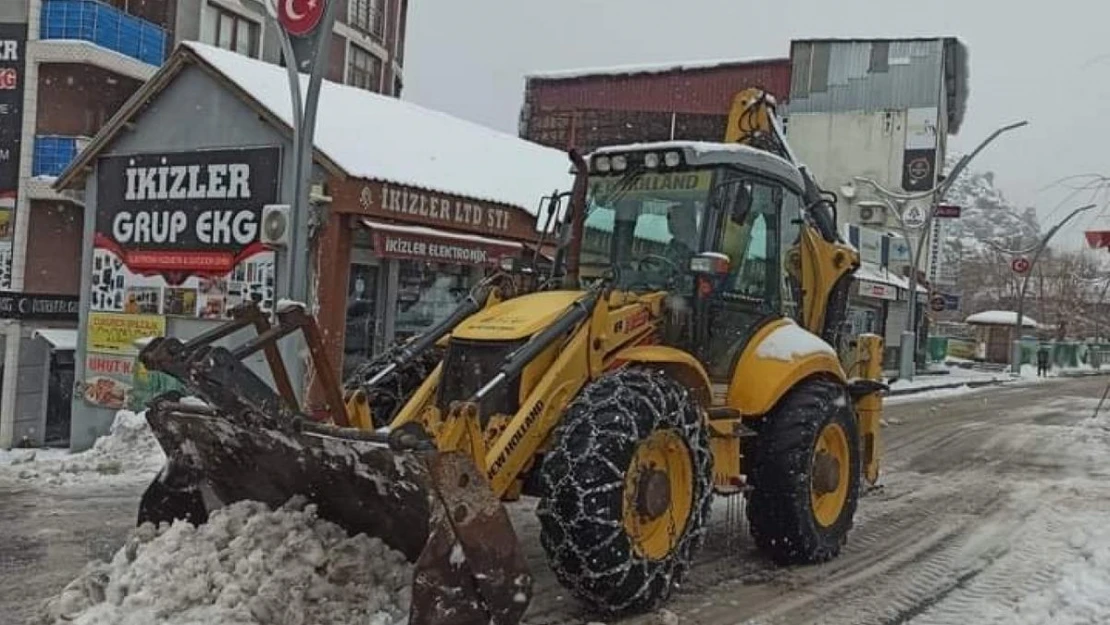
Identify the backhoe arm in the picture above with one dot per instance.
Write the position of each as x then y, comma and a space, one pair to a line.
823, 262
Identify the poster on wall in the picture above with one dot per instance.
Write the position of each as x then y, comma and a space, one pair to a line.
110, 355
13, 42
919, 161
178, 234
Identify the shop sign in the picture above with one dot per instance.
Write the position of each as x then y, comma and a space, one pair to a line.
179, 233
38, 307
871, 246
439, 249
13, 44
110, 355
878, 290
430, 208
402, 202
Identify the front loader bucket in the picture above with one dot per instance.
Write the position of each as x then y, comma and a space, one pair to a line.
435, 508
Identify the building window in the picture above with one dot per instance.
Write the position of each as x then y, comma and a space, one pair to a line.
232, 31
364, 70
880, 56
367, 16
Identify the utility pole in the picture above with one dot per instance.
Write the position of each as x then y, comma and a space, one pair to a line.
897, 202
1015, 349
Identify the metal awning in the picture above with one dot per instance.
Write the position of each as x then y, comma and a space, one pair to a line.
434, 245
60, 339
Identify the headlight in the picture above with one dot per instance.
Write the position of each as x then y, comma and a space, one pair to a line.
602, 163
620, 163
672, 159
651, 160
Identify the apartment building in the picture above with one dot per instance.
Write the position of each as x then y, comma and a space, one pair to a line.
66, 67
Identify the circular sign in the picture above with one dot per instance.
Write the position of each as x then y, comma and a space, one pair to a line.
937, 303
919, 168
300, 17
1019, 265
914, 216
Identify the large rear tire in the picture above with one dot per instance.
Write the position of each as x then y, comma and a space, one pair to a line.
627, 490
805, 475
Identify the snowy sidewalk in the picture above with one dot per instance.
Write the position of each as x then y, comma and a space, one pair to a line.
946, 378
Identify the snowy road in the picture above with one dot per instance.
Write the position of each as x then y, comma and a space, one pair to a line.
993, 508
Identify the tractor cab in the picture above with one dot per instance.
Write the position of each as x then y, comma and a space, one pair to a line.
711, 225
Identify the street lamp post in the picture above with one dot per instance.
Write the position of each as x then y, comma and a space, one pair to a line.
1015, 349
898, 201
304, 29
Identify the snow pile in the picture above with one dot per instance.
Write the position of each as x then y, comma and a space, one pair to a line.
128, 448
790, 341
247, 565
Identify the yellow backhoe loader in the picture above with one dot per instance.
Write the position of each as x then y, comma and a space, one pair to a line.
688, 348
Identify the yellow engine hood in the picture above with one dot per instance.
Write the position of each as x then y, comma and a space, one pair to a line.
516, 318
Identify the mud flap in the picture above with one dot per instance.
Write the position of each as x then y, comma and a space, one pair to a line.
437, 509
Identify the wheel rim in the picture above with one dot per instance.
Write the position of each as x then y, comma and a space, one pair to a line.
658, 494
829, 474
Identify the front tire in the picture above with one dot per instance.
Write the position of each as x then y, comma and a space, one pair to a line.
805, 475
627, 490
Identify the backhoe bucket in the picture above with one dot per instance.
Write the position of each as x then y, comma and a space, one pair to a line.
435, 508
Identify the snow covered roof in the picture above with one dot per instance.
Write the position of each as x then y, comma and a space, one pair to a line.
377, 137
650, 68
59, 338
882, 275
1001, 318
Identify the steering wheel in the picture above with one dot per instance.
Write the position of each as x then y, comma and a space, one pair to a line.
675, 269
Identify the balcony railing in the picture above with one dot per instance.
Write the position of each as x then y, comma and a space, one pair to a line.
106, 26
53, 153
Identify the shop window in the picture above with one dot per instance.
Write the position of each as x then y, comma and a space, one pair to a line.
231, 31
428, 293
364, 70
363, 324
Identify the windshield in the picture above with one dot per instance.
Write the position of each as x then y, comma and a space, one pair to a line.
644, 227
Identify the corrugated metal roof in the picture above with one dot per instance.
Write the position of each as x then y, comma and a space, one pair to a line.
878, 74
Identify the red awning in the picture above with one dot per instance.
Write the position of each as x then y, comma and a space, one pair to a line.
434, 245
1098, 238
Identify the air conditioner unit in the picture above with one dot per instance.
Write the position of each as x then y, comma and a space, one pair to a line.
275, 225
872, 214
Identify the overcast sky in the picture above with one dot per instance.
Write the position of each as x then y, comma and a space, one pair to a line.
1047, 63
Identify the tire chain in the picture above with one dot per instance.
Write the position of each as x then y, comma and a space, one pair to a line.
583, 479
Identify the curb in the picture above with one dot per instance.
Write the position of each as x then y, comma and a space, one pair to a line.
982, 383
